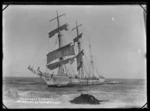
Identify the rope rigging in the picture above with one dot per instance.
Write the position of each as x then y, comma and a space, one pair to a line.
40, 59
85, 70
72, 69
42, 55
35, 54
40, 52
67, 71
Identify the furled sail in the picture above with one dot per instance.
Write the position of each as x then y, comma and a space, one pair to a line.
79, 60
61, 52
63, 27
60, 63
77, 38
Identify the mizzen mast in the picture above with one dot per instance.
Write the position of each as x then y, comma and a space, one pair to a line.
92, 61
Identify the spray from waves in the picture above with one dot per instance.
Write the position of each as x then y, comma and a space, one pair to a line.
16, 94
11, 93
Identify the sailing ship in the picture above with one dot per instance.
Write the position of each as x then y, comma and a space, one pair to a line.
66, 56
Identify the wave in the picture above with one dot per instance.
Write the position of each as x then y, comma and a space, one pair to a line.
12, 93
15, 94
23, 83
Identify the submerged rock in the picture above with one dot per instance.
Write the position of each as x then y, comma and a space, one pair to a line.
85, 99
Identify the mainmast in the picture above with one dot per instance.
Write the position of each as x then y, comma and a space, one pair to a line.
62, 51
79, 46
79, 43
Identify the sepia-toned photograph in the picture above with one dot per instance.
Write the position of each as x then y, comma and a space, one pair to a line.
74, 56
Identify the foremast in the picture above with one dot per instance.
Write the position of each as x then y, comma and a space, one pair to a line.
62, 51
61, 69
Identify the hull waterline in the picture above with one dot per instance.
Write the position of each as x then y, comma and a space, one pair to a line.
67, 82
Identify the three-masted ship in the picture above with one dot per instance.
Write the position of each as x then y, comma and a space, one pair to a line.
65, 55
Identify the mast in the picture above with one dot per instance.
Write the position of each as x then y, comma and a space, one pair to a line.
79, 44
59, 34
60, 70
92, 61
79, 47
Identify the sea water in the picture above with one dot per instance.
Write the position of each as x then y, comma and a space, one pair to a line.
27, 92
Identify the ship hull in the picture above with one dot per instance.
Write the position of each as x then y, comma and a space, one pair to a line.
73, 85
63, 81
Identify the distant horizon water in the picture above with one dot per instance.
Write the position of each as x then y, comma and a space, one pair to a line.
39, 77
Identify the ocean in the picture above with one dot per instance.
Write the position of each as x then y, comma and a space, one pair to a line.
28, 92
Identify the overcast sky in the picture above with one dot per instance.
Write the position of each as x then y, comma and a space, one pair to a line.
116, 33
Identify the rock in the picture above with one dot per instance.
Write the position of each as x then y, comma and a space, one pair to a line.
85, 99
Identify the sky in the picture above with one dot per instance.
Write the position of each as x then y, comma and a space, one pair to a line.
116, 33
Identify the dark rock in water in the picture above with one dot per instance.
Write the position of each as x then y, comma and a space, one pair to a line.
85, 99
